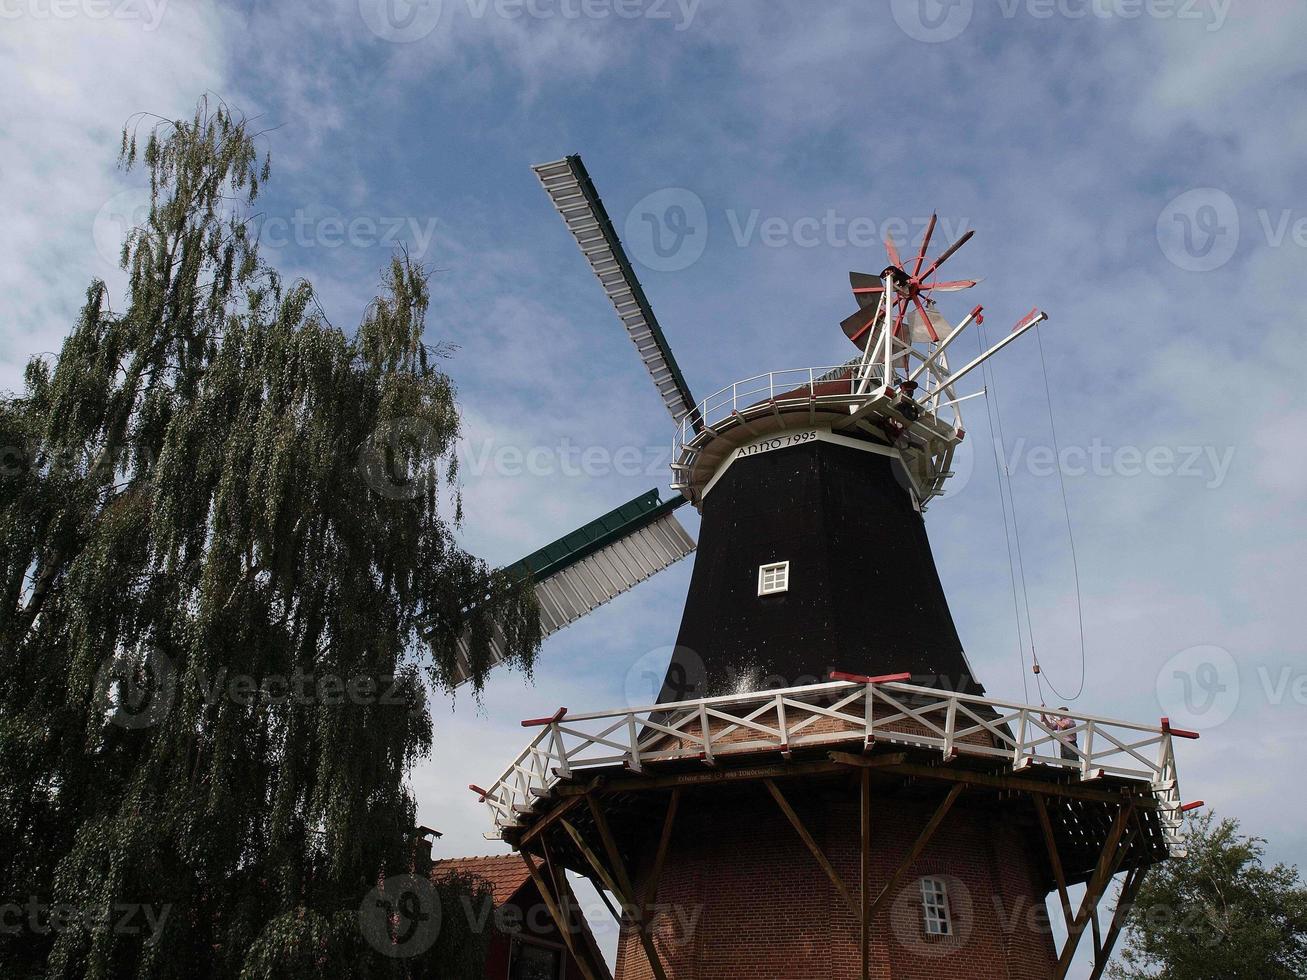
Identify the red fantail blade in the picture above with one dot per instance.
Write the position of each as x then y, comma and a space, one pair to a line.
856, 326
925, 319
892, 252
948, 253
925, 244
953, 286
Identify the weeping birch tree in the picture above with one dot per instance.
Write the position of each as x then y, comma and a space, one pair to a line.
229, 571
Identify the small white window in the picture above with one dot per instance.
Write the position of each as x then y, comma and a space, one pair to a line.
773, 578
934, 906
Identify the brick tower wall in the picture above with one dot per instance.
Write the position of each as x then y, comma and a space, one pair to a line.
742, 898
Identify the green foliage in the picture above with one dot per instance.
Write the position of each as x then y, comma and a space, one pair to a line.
1218, 913
229, 572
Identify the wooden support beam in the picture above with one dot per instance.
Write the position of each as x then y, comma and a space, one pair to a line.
624, 882
923, 839
806, 837
547, 821
563, 895
701, 777
660, 856
1129, 891
1014, 783
1054, 858
559, 921
1108, 861
864, 897
608, 902
593, 860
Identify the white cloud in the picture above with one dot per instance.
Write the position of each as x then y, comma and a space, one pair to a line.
70, 84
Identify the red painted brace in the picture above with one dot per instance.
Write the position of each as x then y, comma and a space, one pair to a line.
483, 793
1177, 732
1192, 806
553, 719
839, 675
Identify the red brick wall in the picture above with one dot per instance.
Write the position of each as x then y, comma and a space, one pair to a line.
741, 897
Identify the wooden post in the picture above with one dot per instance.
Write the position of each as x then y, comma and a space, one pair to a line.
543, 888
623, 881
865, 883
660, 857
605, 876
1129, 891
1054, 859
1108, 862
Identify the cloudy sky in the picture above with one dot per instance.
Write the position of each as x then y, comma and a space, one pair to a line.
1134, 167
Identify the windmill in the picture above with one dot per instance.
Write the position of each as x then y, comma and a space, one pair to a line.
606, 557
821, 775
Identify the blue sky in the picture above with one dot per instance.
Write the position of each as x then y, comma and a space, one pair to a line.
1133, 168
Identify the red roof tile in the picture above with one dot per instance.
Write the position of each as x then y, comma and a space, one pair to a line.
505, 873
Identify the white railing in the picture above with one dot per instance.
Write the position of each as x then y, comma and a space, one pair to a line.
768, 389
794, 389
840, 712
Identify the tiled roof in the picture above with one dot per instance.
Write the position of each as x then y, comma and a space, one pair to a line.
505, 873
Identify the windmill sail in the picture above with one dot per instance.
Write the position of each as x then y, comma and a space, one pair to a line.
598, 562
574, 196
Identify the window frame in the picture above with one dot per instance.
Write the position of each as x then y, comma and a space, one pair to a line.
780, 581
937, 918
